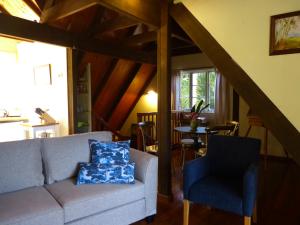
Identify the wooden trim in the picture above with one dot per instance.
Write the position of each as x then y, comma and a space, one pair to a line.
141, 38
164, 101
273, 118
235, 106
16, 27
71, 90
140, 10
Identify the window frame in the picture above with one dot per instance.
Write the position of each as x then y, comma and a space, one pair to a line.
190, 72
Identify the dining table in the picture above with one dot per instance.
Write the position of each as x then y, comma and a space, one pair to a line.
194, 133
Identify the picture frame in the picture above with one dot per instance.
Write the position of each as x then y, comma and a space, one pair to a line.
42, 75
285, 33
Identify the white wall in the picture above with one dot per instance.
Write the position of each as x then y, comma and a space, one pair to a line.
18, 91
242, 28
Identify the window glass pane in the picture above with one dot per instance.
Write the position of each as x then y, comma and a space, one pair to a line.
212, 91
199, 87
184, 90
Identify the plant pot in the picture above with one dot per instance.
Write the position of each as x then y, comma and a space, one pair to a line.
193, 124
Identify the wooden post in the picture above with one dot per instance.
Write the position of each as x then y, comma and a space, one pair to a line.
164, 102
71, 67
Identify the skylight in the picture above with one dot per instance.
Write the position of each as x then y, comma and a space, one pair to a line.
20, 9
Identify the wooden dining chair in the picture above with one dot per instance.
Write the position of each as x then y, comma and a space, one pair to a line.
228, 129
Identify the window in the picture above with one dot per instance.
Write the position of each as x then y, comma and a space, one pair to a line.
196, 85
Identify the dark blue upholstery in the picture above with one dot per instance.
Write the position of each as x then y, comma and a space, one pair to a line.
226, 178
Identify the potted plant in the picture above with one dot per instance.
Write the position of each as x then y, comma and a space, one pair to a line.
195, 111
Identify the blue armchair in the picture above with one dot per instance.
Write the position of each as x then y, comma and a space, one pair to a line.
226, 178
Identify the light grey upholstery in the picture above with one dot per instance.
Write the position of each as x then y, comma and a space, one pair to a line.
146, 166
20, 165
61, 155
85, 200
31, 206
123, 215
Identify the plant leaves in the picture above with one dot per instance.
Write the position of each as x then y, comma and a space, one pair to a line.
199, 106
204, 108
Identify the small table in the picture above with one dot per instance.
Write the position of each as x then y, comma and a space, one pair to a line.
194, 133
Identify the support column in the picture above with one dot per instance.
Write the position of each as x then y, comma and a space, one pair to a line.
164, 101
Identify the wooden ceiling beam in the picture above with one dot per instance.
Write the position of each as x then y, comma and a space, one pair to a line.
140, 10
28, 30
118, 23
151, 37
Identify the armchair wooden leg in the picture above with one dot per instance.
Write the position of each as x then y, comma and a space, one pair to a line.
186, 210
254, 216
247, 220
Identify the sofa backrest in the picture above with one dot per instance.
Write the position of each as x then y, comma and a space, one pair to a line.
61, 155
20, 165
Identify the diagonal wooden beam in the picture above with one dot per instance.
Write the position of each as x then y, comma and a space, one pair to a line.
118, 23
28, 30
3, 10
273, 118
140, 10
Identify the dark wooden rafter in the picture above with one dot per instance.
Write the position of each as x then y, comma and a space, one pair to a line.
130, 98
100, 83
122, 90
20, 28
120, 73
33, 7
118, 23
164, 101
273, 118
140, 10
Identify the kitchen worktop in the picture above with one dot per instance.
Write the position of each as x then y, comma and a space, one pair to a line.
10, 119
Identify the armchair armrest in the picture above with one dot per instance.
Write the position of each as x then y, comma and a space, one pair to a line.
146, 171
193, 171
250, 181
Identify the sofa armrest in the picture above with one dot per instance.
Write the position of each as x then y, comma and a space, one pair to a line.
146, 171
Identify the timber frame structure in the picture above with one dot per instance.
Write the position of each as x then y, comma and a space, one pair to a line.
127, 43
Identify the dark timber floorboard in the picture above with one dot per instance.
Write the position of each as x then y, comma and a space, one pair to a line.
278, 199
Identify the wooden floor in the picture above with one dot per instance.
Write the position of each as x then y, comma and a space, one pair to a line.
278, 199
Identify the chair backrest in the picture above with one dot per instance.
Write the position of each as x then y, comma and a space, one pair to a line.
144, 131
231, 155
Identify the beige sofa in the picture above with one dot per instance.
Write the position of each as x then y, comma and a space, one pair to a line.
37, 185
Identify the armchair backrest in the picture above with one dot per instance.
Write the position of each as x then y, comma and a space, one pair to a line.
231, 155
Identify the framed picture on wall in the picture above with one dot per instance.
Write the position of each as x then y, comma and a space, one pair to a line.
42, 75
285, 33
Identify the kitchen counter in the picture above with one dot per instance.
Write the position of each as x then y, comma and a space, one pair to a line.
11, 119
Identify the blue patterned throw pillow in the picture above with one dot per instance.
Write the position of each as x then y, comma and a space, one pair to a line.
95, 173
109, 152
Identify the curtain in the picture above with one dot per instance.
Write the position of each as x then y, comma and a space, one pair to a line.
222, 109
175, 90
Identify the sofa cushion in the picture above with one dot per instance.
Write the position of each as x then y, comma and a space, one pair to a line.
31, 206
95, 173
61, 155
20, 165
83, 200
109, 152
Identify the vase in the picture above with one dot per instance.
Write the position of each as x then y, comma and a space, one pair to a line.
194, 124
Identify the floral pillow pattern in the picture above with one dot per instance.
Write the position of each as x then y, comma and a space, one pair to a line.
95, 173
109, 152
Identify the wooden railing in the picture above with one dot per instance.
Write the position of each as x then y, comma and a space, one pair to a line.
152, 116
